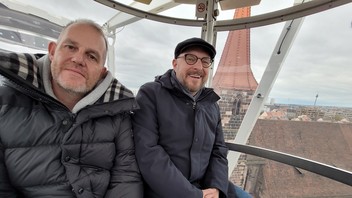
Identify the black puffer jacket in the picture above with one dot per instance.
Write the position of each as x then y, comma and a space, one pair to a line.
47, 151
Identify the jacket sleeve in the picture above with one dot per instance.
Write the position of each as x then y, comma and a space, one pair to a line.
126, 180
6, 190
217, 172
158, 171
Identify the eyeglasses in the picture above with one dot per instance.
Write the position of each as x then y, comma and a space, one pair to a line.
192, 59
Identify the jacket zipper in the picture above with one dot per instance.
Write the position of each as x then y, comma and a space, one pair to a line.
194, 105
35, 94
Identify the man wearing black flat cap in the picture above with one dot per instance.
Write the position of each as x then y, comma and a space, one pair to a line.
178, 134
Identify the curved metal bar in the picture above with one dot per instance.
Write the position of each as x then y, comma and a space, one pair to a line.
30, 24
298, 11
322, 169
147, 15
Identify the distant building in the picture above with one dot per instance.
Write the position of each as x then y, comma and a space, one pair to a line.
314, 113
274, 115
233, 79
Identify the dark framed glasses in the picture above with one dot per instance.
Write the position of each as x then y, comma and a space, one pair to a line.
192, 59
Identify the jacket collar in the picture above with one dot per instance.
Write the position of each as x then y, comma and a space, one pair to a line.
166, 81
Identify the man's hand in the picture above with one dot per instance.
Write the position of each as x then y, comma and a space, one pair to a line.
210, 193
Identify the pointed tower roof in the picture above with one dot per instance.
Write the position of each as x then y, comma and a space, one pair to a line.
234, 71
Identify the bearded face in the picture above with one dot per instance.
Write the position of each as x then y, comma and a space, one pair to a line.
192, 77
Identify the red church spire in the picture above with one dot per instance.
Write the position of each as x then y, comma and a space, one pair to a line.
234, 71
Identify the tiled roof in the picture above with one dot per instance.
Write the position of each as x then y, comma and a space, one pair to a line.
329, 143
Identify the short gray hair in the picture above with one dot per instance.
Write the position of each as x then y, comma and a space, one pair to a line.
91, 23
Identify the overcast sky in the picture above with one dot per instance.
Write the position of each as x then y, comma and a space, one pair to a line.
319, 61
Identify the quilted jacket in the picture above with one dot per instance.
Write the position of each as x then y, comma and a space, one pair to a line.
48, 151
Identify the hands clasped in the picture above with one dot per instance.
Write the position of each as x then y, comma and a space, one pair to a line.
210, 193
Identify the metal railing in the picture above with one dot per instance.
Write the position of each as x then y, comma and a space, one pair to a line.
319, 168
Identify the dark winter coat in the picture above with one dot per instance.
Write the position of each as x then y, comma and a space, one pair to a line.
48, 151
179, 142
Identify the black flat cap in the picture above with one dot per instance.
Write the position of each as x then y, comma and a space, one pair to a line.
195, 42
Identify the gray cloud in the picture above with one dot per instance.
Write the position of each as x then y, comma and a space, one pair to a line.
319, 61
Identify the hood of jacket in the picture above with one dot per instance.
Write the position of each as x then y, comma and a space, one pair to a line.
24, 71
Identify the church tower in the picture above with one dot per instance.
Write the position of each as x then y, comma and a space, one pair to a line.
233, 79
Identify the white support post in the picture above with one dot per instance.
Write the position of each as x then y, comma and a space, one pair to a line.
208, 32
111, 58
111, 38
278, 56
